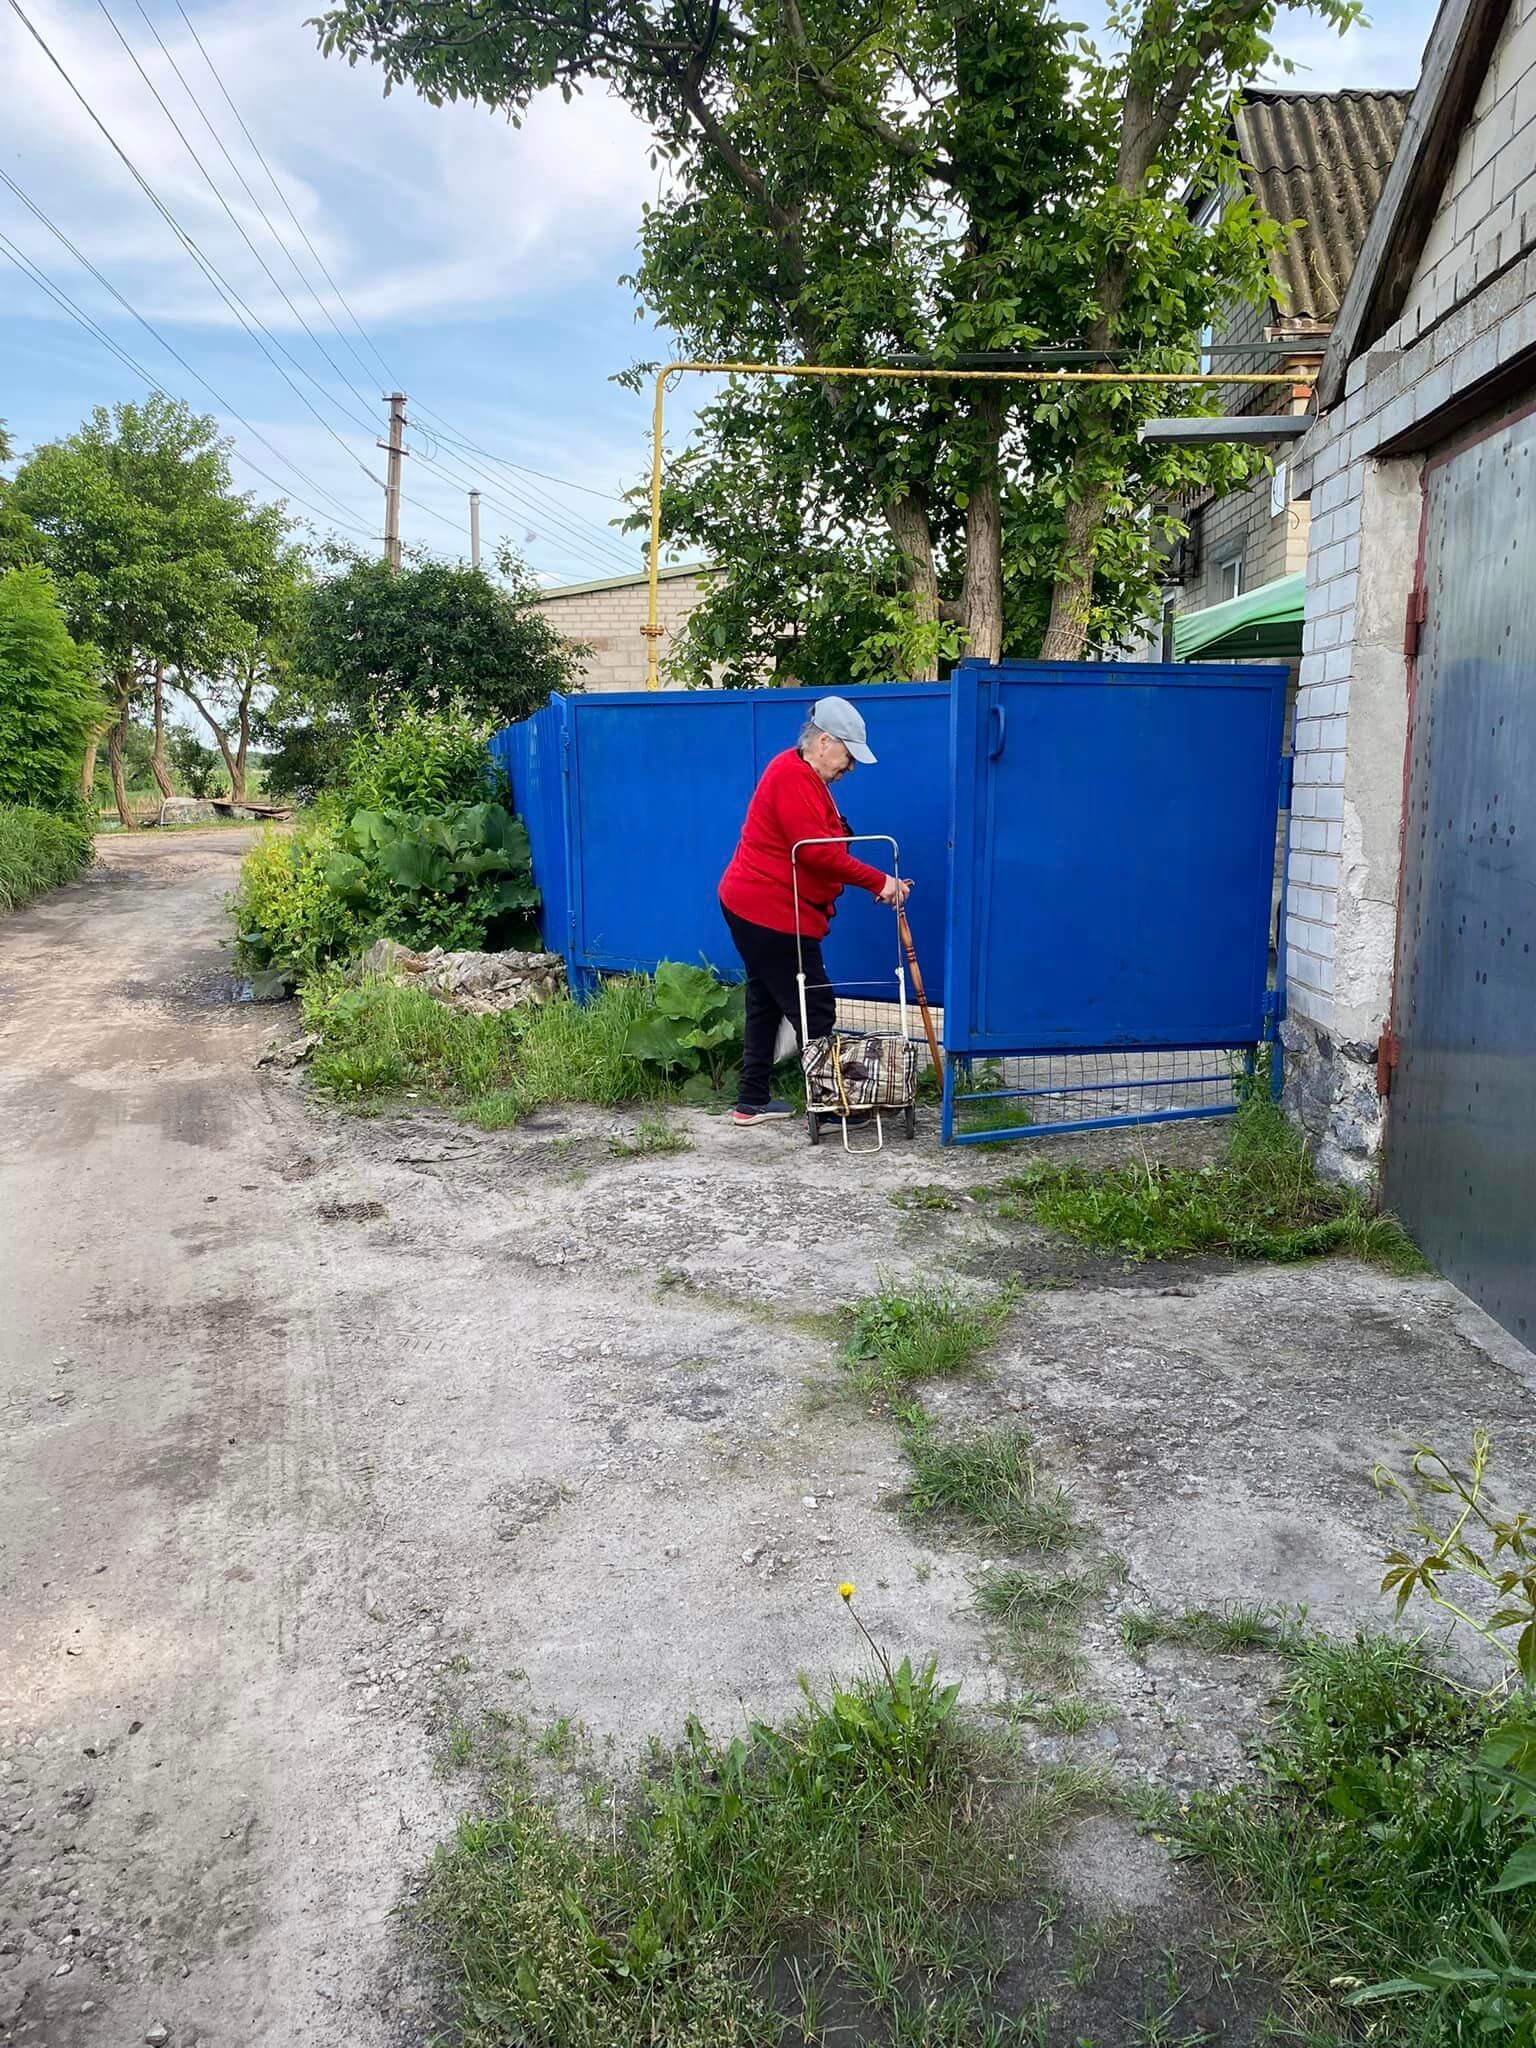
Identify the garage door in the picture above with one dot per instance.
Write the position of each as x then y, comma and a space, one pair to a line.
1461, 1136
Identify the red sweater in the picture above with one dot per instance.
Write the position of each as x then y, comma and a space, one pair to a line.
791, 803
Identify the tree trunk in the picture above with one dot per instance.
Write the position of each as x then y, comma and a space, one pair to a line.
907, 517
157, 761
243, 743
981, 596
1066, 633
117, 733
88, 766
236, 773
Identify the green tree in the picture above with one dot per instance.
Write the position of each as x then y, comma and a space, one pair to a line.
269, 604
196, 764
18, 539
150, 547
371, 642
858, 179
50, 698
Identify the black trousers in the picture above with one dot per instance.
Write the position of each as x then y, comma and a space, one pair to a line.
772, 993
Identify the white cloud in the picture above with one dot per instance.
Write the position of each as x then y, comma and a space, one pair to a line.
421, 213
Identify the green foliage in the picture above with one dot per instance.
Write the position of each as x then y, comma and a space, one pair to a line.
988, 1481
693, 1033
1238, 1625
459, 876
423, 761
288, 921
50, 699
853, 180
1265, 1200
372, 644
653, 1136
897, 1336
380, 1040
197, 768
1365, 1861
38, 851
848, 1854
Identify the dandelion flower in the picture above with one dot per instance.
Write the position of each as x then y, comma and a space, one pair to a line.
846, 1589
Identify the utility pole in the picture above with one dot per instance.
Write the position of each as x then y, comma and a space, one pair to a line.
474, 529
395, 448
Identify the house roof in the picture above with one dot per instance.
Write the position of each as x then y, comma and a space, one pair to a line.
663, 575
1320, 158
1456, 58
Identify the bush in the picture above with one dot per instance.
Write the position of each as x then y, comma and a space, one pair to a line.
197, 767
460, 877
288, 922
692, 1032
426, 761
38, 851
50, 701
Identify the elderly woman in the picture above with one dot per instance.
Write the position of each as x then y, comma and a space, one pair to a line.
792, 803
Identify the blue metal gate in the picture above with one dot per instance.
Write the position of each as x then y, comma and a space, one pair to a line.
634, 799
1111, 886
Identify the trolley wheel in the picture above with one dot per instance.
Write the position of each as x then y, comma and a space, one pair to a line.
909, 1119
813, 1126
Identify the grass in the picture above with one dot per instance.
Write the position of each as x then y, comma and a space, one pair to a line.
895, 1338
652, 1135
1239, 1625
1264, 1200
987, 1482
831, 1872
381, 1040
38, 851
991, 1112
1369, 1849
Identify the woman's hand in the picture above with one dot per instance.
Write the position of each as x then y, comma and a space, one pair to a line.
895, 892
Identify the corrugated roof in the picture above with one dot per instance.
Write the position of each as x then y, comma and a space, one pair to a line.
1320, 158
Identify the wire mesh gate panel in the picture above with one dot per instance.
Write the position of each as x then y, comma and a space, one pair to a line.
1461, 1121
1111, 892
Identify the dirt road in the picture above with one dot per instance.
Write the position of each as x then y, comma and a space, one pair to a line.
315, 1427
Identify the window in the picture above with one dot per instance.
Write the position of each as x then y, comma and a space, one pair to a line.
1229, 578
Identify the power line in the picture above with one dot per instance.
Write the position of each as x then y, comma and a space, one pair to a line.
209, 180
171, 350
505, 462
361, 396
549, 511
226, 292
389, 375
66, 303
585, 548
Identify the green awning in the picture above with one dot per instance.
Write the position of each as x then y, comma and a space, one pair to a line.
1266, 621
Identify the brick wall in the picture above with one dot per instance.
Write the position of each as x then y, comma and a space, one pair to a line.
1490, 197
608, 617
1360, 467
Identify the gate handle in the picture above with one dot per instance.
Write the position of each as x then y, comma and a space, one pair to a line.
999, 732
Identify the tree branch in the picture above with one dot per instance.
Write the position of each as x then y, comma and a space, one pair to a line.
909, 148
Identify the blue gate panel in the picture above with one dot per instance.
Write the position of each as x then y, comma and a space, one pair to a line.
1114, 835
533, 754
656, 786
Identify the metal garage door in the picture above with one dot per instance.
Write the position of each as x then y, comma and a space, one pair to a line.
1461, 1140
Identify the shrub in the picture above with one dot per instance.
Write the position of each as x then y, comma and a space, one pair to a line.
50, 701
38, 851
288, 922
198, 768
426, 761
693, 1031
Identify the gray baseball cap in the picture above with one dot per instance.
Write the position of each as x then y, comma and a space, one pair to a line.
835, 715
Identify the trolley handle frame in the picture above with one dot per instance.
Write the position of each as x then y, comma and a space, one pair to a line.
846, 839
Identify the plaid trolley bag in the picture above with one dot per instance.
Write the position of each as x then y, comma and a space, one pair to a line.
857, 1073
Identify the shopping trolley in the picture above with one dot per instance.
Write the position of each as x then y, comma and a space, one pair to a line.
855, 1073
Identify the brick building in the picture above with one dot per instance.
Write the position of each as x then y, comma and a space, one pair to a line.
1411, 940
606, 616
1318, 159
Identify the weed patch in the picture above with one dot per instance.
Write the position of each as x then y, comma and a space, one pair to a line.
987, 1482
1265, 1200
1239, 1625
896, 1337
379, 1040
1370, 1849
38, 851
840, 1864
652, 1135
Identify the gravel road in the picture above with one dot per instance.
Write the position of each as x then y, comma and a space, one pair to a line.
317, 1429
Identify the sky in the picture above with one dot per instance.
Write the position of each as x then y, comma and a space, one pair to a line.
473, 264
